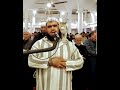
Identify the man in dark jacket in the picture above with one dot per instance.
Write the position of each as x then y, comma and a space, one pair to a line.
41, 33
90, 44
80, 76
28, 82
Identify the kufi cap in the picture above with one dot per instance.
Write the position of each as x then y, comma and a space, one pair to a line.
52, 19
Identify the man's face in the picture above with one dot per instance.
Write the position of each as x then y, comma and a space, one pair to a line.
63, 28
78, 40
52, 28
26, 35
94, 37
43, 28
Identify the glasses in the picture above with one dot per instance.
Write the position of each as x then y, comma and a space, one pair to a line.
50, 26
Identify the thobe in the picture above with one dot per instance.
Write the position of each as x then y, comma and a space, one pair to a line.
49, 77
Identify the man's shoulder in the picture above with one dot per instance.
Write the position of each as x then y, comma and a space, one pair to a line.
86, 41
83, 46
39, 40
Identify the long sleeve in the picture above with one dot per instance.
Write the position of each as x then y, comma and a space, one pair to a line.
36, 60
37, 63
76, 61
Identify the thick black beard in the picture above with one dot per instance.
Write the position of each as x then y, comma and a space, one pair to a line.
51, 38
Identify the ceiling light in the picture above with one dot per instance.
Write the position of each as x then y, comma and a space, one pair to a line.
48, 4
62, 13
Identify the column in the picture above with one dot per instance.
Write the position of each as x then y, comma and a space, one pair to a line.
85, 18
26, 20
80, 16
69, 10
69, 21
33, 21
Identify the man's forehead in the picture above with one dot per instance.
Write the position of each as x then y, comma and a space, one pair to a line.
26, 33
52, 22
78, 36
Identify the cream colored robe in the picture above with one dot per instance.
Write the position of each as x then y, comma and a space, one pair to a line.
49, 77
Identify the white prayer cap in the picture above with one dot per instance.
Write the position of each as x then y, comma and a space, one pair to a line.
52, 19
43, 24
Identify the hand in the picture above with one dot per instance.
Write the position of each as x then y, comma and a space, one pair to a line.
58, 62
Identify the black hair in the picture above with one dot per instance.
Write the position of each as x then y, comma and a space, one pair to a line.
91, 33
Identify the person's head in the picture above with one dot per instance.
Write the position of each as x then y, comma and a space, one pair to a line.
93, 36
35, 34
78, 39
63, 28
83, 33
43, 27
52, 27
26, 35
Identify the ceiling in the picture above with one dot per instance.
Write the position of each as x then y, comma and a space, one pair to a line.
43, 11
